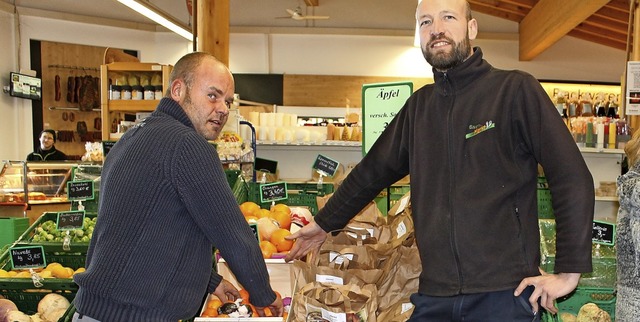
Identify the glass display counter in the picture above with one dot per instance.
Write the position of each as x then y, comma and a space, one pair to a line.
27, 189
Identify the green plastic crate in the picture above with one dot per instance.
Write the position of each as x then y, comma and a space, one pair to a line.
57, 247
545, 209
298, 194
26, 295
604, 273
11, 228
605, 298
93, 173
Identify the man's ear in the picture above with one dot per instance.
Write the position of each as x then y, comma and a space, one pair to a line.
472, 28
178, 89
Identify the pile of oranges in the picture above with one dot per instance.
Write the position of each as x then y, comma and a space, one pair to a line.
273, 225
212, 308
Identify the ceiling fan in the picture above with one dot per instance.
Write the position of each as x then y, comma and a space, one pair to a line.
297, 15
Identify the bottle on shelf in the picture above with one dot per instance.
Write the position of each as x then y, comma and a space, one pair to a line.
600, 105
585, 108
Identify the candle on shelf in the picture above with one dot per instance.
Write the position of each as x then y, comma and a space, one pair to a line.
600, 136
612, 136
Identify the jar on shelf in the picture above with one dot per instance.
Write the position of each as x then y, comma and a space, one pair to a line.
149, 92
126, 92
114, 92
158, 92
137, 92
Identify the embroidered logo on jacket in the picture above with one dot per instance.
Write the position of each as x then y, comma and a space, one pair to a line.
479, 128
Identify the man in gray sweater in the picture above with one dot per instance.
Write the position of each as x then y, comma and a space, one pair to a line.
164, 204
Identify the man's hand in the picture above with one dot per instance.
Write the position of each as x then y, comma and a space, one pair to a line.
226, 291
308, 239
548, 287
276, 308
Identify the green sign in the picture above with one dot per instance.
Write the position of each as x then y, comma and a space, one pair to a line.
380, 104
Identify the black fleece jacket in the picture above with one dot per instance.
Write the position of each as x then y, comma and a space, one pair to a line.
472, 143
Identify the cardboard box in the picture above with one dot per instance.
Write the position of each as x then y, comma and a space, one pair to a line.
280, 272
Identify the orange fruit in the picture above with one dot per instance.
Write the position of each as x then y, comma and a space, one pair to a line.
214, 303
261, 213
283, 218
209, 312
244, 295
281, 207
267, 248
251, 219
248, 208
278, 239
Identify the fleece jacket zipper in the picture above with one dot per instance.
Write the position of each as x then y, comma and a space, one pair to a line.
447, 90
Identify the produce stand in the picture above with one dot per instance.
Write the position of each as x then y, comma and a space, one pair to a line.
298, 194
597, 287
22, 291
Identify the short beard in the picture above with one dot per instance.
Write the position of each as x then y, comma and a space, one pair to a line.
444, 61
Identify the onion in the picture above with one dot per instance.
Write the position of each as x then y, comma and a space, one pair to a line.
17, 316
301, 215
5, 307
50, 303
53, 315
266, 227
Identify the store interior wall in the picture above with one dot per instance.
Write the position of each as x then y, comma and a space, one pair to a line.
569, 59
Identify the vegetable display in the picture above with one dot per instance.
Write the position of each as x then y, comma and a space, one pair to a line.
47, 232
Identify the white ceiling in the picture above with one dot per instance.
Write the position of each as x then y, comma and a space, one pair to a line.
393, 15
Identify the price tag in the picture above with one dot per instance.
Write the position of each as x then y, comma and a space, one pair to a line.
80, 190
106, 147
603, 233
273, 192
326, 166
27, 257
254, 228
70, 220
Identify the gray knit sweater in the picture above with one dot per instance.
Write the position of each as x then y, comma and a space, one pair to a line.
628, 246
164, 204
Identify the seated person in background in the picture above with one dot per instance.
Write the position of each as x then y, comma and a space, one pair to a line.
47, 150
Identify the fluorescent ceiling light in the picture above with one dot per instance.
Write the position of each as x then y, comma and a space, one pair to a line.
150, 11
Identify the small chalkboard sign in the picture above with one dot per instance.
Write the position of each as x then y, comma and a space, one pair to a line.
603, 233
106, 147
273, 191
27, 257
70, 220
254, 229
80, 190
326, 166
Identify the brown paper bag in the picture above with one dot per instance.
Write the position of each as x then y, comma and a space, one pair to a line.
335, 303
369, 214
398, 312
401, 279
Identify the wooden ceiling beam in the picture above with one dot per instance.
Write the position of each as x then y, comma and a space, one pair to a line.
548, 21
311, 3
486, 8
612, 14
605, 25
599, 39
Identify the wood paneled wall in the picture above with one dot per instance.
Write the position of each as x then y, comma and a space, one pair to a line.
334, 91
67, 60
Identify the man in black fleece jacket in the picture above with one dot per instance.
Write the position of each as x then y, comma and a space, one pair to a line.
472, 143
164, 204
